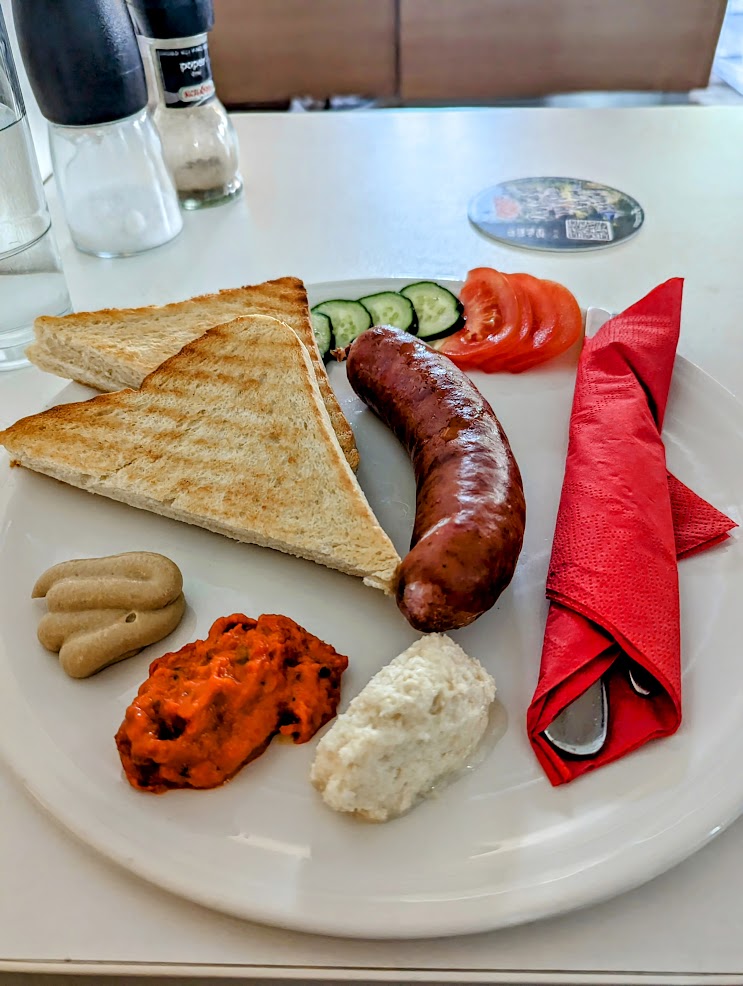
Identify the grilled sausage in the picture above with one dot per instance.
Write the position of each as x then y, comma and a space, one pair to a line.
470, 508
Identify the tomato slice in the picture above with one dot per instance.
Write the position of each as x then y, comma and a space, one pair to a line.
558, 324
528, 324
494, 318
566, 333
544, 322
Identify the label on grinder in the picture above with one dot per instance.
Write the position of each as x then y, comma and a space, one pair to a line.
186, 75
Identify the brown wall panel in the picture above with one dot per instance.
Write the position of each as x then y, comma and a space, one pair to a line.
491, 49
270, 50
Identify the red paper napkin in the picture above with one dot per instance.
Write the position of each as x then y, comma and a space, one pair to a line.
622, 523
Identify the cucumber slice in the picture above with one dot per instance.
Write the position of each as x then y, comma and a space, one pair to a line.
347, 318
323, 332
439, 312
391, 308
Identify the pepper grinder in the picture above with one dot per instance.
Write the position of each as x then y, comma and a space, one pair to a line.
86, 71
199, 140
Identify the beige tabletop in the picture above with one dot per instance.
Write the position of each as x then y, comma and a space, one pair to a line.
384, 193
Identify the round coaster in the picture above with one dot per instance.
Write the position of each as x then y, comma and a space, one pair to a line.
556, 214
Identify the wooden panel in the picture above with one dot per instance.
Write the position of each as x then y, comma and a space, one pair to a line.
269, 50
491, 49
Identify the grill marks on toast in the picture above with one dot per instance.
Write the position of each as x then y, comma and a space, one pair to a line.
116, 348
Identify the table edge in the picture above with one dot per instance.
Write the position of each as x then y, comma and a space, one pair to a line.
360, 973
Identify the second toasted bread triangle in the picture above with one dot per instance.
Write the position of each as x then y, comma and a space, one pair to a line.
231, 434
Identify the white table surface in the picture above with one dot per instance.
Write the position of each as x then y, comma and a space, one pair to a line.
330, 196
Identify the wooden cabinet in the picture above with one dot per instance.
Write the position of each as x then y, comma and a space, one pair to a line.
459, 50
272, 50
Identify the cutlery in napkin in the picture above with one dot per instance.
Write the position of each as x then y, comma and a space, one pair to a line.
622, 523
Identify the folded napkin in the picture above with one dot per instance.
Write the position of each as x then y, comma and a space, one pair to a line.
622, 523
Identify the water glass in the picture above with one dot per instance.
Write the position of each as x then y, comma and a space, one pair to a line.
31, 278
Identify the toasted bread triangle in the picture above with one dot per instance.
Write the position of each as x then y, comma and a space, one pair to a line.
230, 434
117, 347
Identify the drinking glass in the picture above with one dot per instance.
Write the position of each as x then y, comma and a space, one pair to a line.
31, 278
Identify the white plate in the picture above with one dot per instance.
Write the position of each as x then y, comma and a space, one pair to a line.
497, 847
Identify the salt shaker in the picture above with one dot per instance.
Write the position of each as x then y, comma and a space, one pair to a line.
86, 71
198, 138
